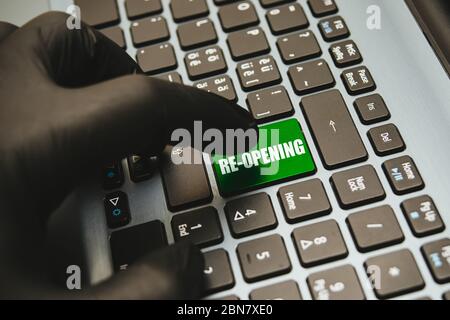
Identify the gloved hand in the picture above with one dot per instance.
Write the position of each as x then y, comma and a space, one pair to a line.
70, 102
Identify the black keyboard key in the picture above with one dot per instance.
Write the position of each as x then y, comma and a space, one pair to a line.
287, 290
270, 104
117, 209
258, 73
358, 80
357, 187
205, 62
386, 140
263, 258
131, 244
173, 77
333, 129
183, 10
394, 274
372, 109
311, 76
437, 256
201, 227
149, 30
141, 168
270, 3
403, 175
333, 29
221, 85
196, 34
116, 35
99, 13
298, 47
320, 8
422, 215
218, 273
112, 176
250, 215
180, 195
287, 18
304, 200
157, 58
141, 8
345, 54
319, 243
247, 43
375, 228
238, 16
339, 283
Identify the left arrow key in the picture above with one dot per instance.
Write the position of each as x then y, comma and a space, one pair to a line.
117, 209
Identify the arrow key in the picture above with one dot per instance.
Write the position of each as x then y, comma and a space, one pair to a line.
201, 227
117, 209
250, 215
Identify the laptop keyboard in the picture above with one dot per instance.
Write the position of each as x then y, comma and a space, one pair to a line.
337, 140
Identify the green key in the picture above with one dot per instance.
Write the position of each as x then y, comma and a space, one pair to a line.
281, 154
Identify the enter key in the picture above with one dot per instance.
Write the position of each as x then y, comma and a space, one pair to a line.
333, 130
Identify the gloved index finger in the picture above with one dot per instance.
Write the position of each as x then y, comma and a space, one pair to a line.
135, 113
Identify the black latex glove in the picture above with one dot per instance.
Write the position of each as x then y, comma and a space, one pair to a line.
67, 106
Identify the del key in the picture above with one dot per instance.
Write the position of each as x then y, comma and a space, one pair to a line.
333, 129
